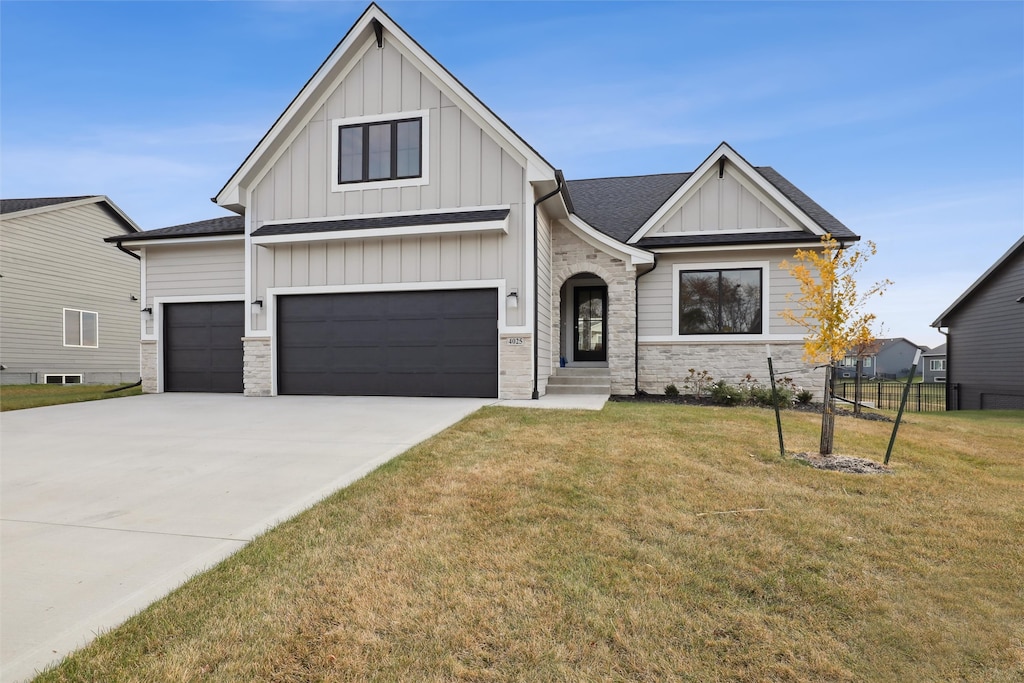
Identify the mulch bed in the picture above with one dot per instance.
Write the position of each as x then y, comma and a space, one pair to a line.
843, 463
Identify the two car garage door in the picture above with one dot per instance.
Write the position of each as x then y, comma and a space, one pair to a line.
432, 343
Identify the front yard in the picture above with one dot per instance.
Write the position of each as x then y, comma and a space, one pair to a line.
21, 396
644, 542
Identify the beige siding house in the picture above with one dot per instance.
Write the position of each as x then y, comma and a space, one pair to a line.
391, 235
70, 306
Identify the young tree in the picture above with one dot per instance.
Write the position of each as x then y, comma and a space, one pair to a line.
833, 312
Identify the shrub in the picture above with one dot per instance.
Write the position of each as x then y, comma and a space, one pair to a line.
698, 382
726, 395
804, 397
671, 390
762, 396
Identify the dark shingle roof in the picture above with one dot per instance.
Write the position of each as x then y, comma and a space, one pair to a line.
225, 225
15, 205
383, 222
619, 206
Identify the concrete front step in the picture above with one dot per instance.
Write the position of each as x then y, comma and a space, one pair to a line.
580, 379
582, 372
563, 389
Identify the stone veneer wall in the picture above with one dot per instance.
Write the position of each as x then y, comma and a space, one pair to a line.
256, 371
572, 256
149, 363
515, 372
663, 363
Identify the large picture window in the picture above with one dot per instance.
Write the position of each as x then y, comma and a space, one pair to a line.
720, 301
381, 150
81, 328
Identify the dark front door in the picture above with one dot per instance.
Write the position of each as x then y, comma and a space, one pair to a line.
203, 346
590, 305
429, 343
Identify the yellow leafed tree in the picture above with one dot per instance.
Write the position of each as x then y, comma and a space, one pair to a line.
832, 311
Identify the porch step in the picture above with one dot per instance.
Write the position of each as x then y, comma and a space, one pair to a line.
580, 381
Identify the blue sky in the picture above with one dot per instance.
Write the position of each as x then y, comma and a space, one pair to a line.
905, 120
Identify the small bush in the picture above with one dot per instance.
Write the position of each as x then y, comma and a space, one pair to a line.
762, 396
726, 395
804, 397
697, 383
671, 390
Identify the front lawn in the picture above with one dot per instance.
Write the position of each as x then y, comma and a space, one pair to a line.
19, 396
644, 542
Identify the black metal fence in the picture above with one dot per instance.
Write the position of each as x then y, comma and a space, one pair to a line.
886, 395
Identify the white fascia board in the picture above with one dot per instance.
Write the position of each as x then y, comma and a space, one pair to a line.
751, 173
737, 247
177, 241
744, 231
95, 199
415, 230
599, 240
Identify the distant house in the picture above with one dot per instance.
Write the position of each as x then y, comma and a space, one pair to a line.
68, 313
985, 342
934, 364
889, 358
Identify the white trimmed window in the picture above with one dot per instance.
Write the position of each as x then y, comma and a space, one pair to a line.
720, 299
81, 328
379, 151
937, 364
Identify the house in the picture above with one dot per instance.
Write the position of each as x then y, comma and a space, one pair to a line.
887, 358
985, 338
934, 363
393, 236
68, 312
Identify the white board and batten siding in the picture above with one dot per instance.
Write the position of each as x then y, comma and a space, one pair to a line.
467, 168
726, 204
656, 290
54, 260
194, 272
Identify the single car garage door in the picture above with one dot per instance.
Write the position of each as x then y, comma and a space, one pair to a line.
203, 346
436, 343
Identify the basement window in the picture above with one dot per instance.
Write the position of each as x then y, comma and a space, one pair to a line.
62, 379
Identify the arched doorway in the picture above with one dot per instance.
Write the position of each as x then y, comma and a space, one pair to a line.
584, 312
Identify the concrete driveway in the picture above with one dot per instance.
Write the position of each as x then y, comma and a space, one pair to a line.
107, 506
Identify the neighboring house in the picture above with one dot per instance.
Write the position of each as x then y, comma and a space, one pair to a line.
934, 364
67, 313
888, 358
394, 236
985, 341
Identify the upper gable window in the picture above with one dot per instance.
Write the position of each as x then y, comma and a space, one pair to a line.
379, 151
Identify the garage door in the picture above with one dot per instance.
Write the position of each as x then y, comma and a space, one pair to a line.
438, 343
203, 346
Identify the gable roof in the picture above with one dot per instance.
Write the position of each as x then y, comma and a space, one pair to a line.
13, 208
321, 83
1017, 248
225, 225
939, 350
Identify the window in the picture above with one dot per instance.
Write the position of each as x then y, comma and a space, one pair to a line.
867, 362
720, 301
384, 150
938, 364
81, 328
62, 379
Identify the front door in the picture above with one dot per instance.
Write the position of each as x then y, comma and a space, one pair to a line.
590, 305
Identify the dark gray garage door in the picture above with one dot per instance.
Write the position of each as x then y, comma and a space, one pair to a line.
203, 346
442, 343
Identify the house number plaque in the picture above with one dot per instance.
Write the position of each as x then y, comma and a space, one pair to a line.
515, 341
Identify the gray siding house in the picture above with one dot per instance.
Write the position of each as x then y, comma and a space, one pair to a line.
67, 313
934, 364
985, 341
887, 358
392, 235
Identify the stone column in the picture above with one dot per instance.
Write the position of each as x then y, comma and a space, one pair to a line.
256, 370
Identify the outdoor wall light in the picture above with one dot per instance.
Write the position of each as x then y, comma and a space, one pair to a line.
257, 306
148, 310
512, 300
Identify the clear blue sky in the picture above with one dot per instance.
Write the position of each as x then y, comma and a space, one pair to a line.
905, 120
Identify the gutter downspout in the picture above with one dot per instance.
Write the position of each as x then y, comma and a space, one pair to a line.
636, 317
536, 282
128, 251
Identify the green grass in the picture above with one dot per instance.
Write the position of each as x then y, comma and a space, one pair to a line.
528, 545
21, 396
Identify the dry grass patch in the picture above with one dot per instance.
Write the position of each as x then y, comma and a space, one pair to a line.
21, 396
546, 545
